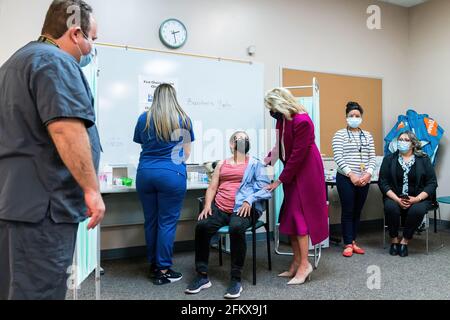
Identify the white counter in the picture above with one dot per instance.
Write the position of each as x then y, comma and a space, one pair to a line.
122, 189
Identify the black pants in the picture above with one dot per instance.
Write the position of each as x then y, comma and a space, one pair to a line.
410, 219
352, 202
206, 229
34, 259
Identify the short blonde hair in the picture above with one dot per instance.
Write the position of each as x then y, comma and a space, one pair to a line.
281, 100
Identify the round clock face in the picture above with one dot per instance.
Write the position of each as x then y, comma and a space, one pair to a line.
173, 33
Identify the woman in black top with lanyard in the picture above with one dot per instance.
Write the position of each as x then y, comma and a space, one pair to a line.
408, 182
354, 154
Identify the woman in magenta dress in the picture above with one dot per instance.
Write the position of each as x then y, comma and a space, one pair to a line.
304, 213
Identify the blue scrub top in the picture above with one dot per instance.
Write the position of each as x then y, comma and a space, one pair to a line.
159, 154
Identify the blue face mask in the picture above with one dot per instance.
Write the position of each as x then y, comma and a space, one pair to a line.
87, 59
404, 147
354, 123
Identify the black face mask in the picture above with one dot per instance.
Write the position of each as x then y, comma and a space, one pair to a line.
276, 115
241, 144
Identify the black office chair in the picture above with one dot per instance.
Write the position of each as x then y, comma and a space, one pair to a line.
256, 224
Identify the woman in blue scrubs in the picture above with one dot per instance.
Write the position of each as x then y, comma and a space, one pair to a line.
165, 134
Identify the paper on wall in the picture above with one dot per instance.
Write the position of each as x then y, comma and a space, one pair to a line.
147, 87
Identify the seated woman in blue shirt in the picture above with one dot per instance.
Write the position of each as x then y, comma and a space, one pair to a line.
237, 184
165, 134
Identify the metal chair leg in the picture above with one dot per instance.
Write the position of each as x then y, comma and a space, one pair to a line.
437, 213
267, 226
254, 256
314, 255
277, 242
439, 210
220, 251
269, 255
317, 255
435, 220
440, 234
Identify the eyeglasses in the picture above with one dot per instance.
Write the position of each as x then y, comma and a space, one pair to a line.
404, 140
91, 41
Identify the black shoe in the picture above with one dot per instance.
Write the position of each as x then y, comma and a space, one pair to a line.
403, 251
173, 276
165, 278
394, 249
160, 279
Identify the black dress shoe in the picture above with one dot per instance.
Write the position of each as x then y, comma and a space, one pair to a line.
403, 251
394, 249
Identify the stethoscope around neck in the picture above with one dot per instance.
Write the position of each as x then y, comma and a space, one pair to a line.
361, 135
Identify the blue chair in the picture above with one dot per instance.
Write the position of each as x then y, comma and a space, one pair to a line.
256, 224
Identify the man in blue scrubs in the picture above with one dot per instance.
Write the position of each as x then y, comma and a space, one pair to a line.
49, 155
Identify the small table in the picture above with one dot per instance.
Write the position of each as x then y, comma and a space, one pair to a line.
122, 189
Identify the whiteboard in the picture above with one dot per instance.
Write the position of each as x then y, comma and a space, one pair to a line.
219, 96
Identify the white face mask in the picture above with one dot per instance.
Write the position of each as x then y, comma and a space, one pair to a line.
354, 123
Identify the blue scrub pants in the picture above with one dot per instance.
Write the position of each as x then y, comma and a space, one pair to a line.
162, 193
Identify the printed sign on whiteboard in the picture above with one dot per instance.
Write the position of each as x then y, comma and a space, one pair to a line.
147, 87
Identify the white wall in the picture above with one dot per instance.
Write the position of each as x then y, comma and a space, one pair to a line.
318, 35
20, 22
429, 76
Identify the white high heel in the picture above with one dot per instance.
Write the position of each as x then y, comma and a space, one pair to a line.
302, 280
288, 274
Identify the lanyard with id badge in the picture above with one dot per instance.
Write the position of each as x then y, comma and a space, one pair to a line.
359, 146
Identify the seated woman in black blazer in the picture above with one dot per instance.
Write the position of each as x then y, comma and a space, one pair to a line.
408, 182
